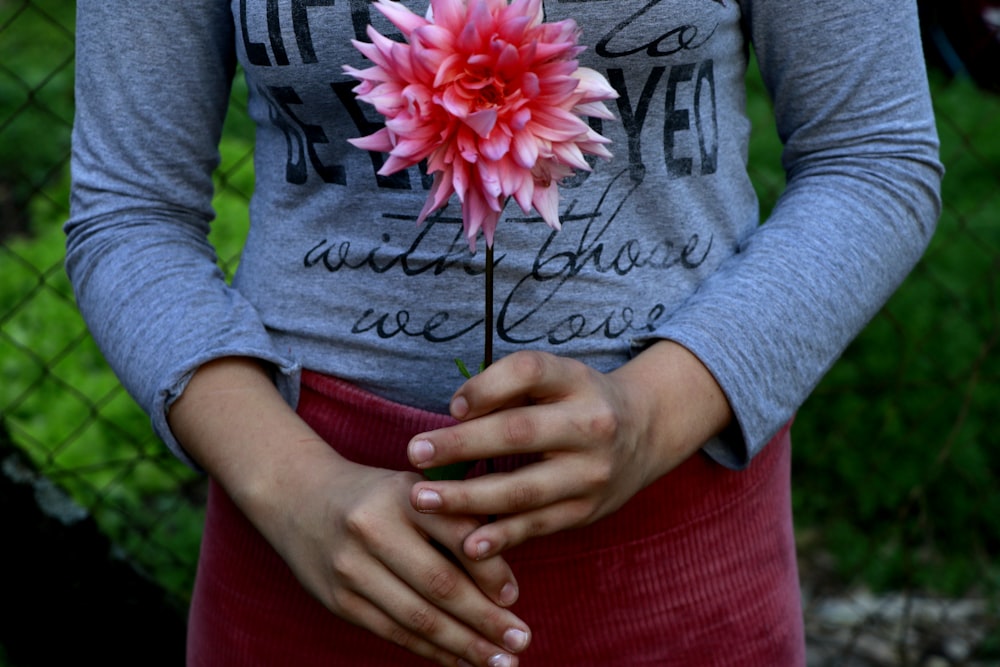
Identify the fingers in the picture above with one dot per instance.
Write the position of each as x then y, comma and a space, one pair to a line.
578, 421
403, 589
539, 499
380, 564
521, 430
492, 576
359, 610
522, 377
494, 538
527, 489
395, 613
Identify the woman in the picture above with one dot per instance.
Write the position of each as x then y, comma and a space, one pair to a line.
651, 354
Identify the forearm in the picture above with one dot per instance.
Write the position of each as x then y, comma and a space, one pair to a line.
328, 518
145, 139
862, 197
234, 423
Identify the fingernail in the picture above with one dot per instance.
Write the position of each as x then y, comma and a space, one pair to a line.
500, 660
482, 548
421, 452
428, 500
515, 640
508, 594
459, 407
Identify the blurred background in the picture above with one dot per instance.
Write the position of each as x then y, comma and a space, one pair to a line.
897, 461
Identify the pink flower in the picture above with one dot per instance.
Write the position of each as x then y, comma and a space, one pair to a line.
491, 97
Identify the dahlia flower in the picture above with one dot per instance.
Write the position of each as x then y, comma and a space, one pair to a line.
491, 96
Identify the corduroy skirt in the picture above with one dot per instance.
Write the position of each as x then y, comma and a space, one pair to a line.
696, 570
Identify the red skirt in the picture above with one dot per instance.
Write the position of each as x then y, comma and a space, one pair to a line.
698, 569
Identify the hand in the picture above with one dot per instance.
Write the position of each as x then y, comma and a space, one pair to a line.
348, 531
602, 438
356, 544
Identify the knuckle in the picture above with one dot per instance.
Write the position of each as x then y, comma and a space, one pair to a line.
580, 513
600, 473
342, 566
587, 513
519, 429
423, 621
594, 479
344, 603
529, 365
442, 584
357, 523
459, 443
603, 422
521, 497
453, 443
493, 622
401, 637
537, 526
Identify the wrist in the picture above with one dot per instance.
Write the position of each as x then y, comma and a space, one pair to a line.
679, 403
233, 421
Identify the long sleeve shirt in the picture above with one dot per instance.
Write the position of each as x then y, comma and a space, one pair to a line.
664, 241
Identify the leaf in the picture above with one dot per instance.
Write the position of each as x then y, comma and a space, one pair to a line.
462, 368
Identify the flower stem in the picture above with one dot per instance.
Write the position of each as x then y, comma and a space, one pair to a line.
488, 333
488, 319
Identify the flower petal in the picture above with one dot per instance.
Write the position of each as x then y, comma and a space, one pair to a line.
370, 51
546, 201
455, 103
469, 39
593, 86
448, 14
594, 110
380, 141
474, 211
460, 180
482, 122
555, 124
568, 153
434, 37
489, 227
530, 9
400, 16
438, 196
394, 164
495, 146
530, 86
525, 149
488, 183
524, 194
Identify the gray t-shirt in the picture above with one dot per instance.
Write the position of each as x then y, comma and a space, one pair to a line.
662, 241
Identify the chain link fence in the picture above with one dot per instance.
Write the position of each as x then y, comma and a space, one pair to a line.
897, 466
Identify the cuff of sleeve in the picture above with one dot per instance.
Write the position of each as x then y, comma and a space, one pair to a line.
287, 374
729, 449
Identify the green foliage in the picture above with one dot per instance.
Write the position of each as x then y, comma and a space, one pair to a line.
66, 409
36, 87
58, 398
